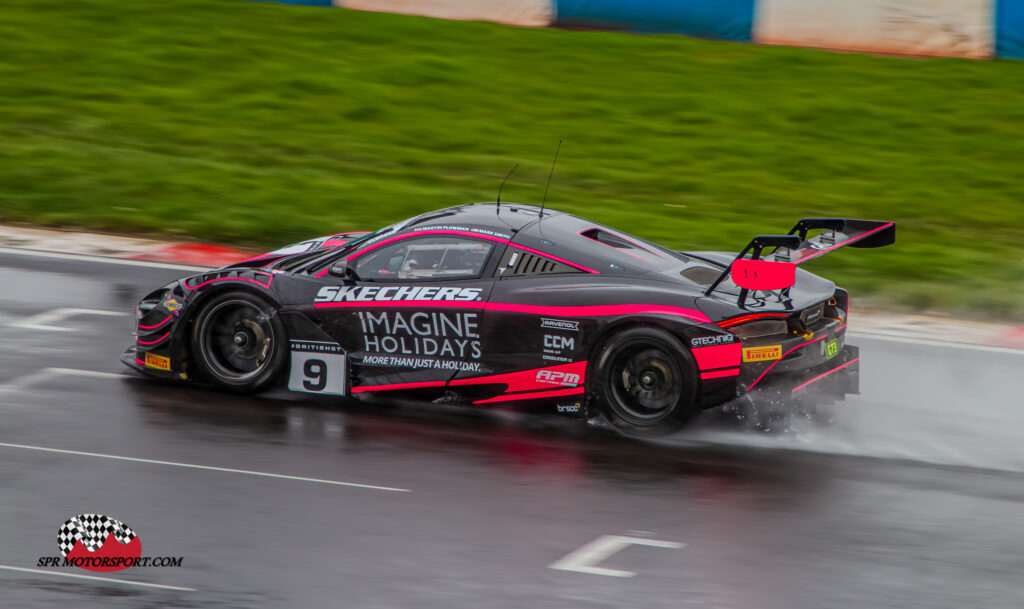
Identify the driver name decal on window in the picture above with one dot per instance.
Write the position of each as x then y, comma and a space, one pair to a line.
465, 229
366, 294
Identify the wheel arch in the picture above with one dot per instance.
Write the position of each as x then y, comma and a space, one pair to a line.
202, 296
673, 326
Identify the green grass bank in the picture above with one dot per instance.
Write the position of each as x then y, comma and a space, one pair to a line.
261, 124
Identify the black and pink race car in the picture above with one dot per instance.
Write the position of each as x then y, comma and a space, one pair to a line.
512, 306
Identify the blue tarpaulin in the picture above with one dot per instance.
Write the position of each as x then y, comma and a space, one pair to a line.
720, 19
1010, 28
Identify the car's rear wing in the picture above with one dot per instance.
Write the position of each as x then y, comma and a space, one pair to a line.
777, 270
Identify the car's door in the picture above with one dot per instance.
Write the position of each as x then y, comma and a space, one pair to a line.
411, 315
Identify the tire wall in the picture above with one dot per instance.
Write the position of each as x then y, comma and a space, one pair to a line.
950, 28
720, 19
536, 13
1010, 29
955, 28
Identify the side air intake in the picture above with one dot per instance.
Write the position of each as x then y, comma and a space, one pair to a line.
517, 263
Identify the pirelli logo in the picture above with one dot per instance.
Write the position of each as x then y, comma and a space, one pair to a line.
762, 354
158, 361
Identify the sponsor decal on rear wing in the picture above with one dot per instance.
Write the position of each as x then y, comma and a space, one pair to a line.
777, 270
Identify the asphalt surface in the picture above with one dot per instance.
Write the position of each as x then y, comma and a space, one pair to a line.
912, 498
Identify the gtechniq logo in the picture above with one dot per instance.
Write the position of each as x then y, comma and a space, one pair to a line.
95, 542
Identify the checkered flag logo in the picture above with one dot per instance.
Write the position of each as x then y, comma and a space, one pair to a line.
92, 530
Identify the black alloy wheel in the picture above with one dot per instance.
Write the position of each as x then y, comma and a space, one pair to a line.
238, 342
645, 382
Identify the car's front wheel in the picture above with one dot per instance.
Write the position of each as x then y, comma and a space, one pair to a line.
644, 383
238, 343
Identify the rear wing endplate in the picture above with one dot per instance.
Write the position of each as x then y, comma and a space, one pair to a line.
777, 270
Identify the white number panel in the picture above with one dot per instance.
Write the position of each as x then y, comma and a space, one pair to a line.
318, 367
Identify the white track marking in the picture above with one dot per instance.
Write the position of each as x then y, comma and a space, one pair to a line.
106, 259
936, 343
583, 559
43, 320
26, 381
87, 373
98, 578
202, 467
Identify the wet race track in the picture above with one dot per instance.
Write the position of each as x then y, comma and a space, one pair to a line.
913, 498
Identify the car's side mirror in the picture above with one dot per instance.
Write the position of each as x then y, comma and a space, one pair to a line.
342, 269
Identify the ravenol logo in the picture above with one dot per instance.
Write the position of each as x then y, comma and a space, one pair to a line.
559, 324
555, 377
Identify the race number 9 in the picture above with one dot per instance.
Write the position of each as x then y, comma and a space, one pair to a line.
316, 371
313, 372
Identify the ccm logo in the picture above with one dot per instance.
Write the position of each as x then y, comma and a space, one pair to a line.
555, 377
559, 342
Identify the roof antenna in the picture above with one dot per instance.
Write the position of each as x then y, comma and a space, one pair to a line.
544, 202
497, 205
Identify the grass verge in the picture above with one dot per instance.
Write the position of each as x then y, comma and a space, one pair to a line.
261, 124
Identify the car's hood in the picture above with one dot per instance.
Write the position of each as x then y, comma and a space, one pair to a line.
320, 244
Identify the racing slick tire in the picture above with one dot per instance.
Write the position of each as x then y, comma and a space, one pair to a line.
646, 382
238, 343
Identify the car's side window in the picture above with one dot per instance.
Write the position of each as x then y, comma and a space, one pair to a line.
517, 263
425, 258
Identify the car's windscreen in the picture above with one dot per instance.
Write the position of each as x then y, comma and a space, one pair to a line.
322, 259
425, 258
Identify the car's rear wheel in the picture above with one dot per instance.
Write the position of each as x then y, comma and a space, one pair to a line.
238, 343
645, 383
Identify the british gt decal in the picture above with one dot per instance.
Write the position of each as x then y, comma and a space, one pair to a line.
831, 348
318, 367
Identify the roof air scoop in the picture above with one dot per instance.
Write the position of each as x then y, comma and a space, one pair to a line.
607, 238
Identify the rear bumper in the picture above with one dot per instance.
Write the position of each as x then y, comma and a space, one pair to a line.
826, 382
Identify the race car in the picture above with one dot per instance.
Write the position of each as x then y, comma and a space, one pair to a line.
493, 305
